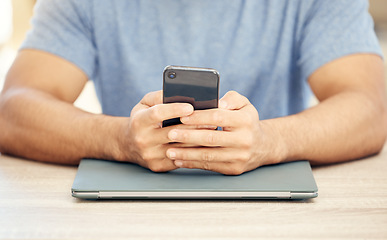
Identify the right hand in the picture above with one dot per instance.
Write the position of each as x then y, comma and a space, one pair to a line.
144, 141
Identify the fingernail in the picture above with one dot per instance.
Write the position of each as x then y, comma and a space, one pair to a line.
188, 109
178, 163
184, 119
172, 135
171, 154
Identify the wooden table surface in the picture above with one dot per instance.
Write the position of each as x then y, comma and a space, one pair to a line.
35, 202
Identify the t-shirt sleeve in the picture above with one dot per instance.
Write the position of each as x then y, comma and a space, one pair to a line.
63, 28
334, 29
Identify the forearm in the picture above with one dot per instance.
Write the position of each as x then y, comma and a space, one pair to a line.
347, 126
35, 125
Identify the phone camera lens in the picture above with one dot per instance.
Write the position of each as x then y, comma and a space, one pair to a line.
171, 75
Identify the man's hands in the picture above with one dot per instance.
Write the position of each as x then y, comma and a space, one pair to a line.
38, 121
240, 147
145, 142
194, 144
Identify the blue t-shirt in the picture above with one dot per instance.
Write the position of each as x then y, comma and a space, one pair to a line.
265, 50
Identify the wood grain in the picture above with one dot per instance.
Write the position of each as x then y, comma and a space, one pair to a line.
35, 202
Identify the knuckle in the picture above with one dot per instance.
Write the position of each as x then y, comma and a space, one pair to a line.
247, 141
206, 165
183, 155
188, 165
185, 136
156, 167
146, 97
154, 114
244, 99
147, 156
211, 138
248, 119
238, 171
151, 96
140, 141
243, 158
134, 110
235, 170
135, 121
208, 156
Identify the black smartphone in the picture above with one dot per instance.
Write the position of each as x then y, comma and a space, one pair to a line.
197, 86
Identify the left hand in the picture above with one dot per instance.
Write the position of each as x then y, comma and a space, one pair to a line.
240, 147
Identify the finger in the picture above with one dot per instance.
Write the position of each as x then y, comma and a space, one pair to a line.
151, 136
209, 138
218, 117
202, 127
152, 98
138, 108
224, 168
149, 100
182, 145
148, 137
155, 159
232, 100
163, 165
158, 113
209, 154
183, 126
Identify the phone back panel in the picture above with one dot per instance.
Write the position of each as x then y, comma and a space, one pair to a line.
197, 86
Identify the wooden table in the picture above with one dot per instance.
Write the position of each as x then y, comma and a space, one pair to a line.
35, 202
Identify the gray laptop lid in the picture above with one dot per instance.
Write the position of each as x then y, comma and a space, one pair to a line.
99, 179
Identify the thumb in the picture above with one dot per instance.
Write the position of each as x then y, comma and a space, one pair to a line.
152, 98
232, 100
149, 100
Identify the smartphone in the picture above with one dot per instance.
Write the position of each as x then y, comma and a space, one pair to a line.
197, 86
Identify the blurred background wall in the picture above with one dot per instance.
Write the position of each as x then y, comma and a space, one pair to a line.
378, 10
22, 12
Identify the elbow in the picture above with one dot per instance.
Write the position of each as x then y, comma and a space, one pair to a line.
9, 105
375, 132
384, 128
381, 130
4, 126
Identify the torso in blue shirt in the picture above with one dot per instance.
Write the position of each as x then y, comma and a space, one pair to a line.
265, 50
